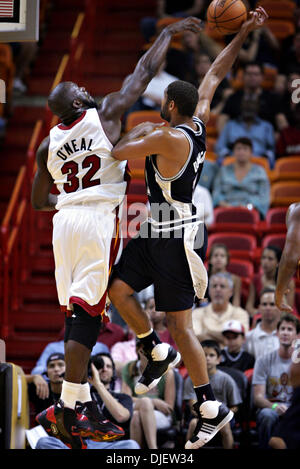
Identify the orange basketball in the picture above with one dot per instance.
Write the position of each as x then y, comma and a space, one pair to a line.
226, 16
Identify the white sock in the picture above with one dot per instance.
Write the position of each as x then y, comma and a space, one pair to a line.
70, 393
85, 393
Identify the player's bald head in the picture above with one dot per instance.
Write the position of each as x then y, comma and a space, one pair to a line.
67, 99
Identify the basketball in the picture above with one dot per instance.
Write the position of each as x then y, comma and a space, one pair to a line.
226, 16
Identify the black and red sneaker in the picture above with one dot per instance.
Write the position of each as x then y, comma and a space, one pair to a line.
92, 424
60, 422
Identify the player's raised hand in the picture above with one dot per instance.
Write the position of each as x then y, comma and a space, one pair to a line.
188, 24
257, 19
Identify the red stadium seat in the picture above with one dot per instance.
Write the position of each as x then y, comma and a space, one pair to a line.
277, 239
241, 267
240, 245
275, 220
236, 219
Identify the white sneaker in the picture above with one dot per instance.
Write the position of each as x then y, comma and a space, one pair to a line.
163, 357
213, 415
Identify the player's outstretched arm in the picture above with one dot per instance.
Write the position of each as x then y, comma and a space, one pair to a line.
114, 104
41, 199
224, 61
290, 257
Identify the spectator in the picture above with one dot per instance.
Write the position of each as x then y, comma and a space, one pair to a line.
43, 392
286, 434
155, 410
252, 89
288, 142
286, 103
58, 347
242, 183
208, 321
116, 407
248, 125
233, 354
262, 47
263, 338
224, 387
209, 172
272, 390
203, 202
201, 67
218, 261
269, 261
122, 353
166, 8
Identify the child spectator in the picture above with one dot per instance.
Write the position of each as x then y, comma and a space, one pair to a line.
233, 354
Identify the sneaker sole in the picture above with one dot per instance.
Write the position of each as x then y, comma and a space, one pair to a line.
97, 436
156, 381
199, 443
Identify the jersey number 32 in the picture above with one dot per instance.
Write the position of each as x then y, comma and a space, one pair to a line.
72, 169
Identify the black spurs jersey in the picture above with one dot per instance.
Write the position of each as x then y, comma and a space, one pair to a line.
171, 198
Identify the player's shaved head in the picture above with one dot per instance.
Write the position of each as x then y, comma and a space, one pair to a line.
67, 100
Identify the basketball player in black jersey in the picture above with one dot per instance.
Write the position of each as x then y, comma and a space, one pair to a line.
172, 263
69, 101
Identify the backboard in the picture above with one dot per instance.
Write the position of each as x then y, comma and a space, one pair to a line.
19, 20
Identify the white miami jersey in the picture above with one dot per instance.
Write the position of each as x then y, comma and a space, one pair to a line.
80, 162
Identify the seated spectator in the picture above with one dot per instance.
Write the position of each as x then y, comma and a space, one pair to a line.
286, 434
203, 202
208, 321
122, 353
261, 46
158, 320
248, 125
263, 338
165, 8
116, 407
152, 411
288, 142
59, 347
268, 108
286, 103
45, 391
202, 64
209, 172
242, 183
233, 355
272, 390
218, 261
223, 386
269, 261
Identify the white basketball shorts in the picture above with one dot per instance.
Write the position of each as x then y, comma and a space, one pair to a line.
85, 245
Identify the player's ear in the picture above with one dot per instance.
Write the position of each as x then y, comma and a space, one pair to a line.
171, 105
77, 103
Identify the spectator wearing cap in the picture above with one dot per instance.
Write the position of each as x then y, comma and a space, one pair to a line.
233, 355
263, 338
208, 320
115, 406
59, 347
42, 392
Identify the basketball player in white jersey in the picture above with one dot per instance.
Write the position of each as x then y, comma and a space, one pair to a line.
174, 264
76, 157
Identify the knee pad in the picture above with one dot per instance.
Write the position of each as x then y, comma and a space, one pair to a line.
82, 327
